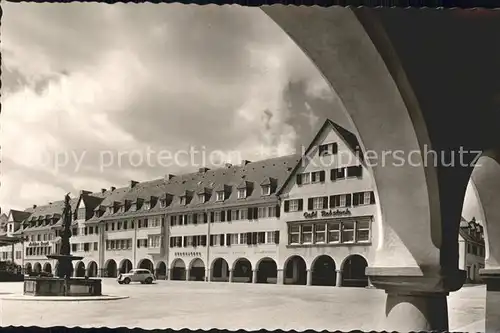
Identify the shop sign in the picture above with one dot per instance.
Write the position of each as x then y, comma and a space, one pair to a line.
327, 213
38, 244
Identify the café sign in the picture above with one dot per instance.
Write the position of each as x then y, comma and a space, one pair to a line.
327, 213
38, 244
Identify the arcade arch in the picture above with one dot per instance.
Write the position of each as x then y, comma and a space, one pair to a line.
178, 270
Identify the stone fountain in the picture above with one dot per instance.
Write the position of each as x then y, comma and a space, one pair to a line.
63, 284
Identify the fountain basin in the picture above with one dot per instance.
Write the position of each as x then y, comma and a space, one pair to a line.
54, 286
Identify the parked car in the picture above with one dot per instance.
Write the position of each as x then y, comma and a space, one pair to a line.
136, 275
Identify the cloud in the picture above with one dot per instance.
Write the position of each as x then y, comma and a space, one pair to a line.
87, 81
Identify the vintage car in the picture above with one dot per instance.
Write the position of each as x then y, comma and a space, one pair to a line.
143, 276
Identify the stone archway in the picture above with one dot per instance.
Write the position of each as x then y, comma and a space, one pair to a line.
125, 266
353, 271
92, 269
197, 270
79, 269
146, 264
323, 271
161, 271
242, 270
47, 268
219, 270
110, 269
267, 271
37, 267
28, 268
295, 271
178, 270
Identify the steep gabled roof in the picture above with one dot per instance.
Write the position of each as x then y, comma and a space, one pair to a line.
349, 139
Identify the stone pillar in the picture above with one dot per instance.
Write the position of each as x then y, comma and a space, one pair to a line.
168, 273
254, 276
415, 301
309, 277
280, 277
187, 274
492, 317
231, 275
208, 275
338, 278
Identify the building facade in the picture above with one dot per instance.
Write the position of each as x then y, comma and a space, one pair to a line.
471, 249
298, 219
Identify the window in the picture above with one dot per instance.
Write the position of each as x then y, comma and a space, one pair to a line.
163, 203
243, 238
294, 234
306, 178
366, 198
155, 241
233, 239
74, 247
317, 177
266, 189
183, 200
112, 226
270, 237
118, 225
334, 232
307, 233
243, 214
272, 211
242, 193
355, 171
146, 206
348, 232
201, 198
317, 203
262, 212
220, 196
235, 215
328, 149
96, 247
342, 200
38, 237
44, 237
362, 231
86, 247
320, 233
294, 205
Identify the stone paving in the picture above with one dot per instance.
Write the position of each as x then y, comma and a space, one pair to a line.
201, 305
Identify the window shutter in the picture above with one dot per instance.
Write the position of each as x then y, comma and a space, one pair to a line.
229, 216
321, 149
301, 205
254, 238
310, 203
348, 199
287, 206
359, 171
372, 197
195, 241
195, 218
335, 148
255, 213
333, 174
172, 221
222, 240
185, 219
211, 240
355, 199
299, 179
212, 216
325, 202
205, 217
277, 214
332, 201
276, 237
322, 176
228, 240
313, 177
184, 241
171, 244
249, 238
250, 213
204, 240
223, 216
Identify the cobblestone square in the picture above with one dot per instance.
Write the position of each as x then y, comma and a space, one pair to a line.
199, 305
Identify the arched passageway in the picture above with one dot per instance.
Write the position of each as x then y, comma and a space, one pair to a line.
267, 271
178, 270
220, 270
161, 271
80, 269
28, 268
197, 270
92, 269
242, 270
323, 271
37, 267
125, 266
110, 268
146, 264
353, 271
295, 271
47, 268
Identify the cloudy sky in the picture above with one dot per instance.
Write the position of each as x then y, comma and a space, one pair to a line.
89, 91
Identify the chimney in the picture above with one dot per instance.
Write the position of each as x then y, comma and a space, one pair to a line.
34, 206
228, 165
103, 190
169, 176
84, 192
112, 188
203, 170
133, 183
245, 162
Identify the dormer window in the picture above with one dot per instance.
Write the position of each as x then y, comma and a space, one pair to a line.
147, 206
266, 189
163, 203
220, 196
202, 198
183, 200
122, 209
242, 193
